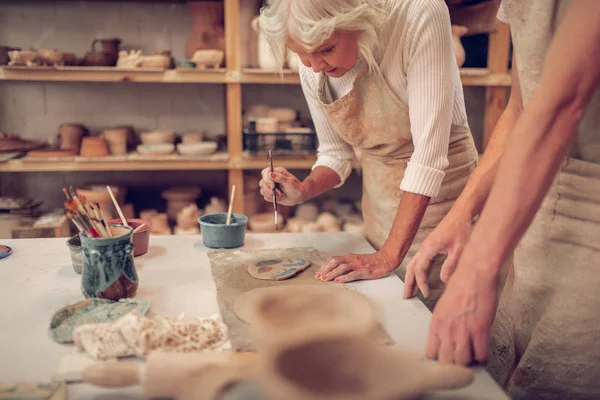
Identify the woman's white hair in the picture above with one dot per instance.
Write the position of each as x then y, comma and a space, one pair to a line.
312, 22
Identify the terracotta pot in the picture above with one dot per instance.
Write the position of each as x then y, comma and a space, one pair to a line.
93, 146
141, 238
116, 139
70, 136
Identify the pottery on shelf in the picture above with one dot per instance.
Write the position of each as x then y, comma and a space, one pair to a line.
307, 211
196, 149
156, 61
70, 136
160, 224
50, 57
23, 58
255, 111
192, 137
282, 114
106, 57
267, 125
146, 215
71, 60
129, 59
265, 60
93, 146
179, 197
265, 223
4, 58
208, 27
156, 149
187, 218
116, 139
215, 206
329, 222
157, 137
209, 58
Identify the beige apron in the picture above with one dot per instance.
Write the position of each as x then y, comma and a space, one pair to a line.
546, 335
370, 117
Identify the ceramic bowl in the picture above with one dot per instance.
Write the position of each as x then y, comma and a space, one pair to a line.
216, 234
156, 61
156, 149
22, 57
74, 244
185, 64
198, 148
157, 137
141, 238
208, 58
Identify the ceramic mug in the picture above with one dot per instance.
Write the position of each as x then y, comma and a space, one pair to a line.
108, 266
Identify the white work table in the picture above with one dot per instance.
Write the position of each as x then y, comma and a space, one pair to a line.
175, 278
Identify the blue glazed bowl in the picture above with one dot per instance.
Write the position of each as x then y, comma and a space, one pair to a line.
217, 235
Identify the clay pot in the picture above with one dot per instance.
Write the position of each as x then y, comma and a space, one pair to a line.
23, 58
94, 146
107, 56
267, 125
70, 135
4, 53
192, 137
209, 58
141, 238
116, 139
178, 198
160, 224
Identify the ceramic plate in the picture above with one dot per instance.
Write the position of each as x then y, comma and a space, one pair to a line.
5, 251
91, 311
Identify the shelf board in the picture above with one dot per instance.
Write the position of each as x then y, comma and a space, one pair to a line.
112, 74
469, 77
260, 162
19, 165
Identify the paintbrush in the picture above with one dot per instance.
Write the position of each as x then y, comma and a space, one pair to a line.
76, 223
276, 186
103, 220
66, 193
72, 206
97, 220
94, 219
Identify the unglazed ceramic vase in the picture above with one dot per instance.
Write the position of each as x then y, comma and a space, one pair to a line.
108, 266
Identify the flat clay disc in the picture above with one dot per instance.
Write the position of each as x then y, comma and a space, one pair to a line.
278, 269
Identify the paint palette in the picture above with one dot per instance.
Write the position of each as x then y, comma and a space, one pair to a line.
278, 269
5, 251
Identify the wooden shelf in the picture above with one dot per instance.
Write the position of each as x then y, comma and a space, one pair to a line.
260, 162
183, 164
112, 74
262, 76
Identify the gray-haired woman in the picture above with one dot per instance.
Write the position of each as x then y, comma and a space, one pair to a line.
380, 76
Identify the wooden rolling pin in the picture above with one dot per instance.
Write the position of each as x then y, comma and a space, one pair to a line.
181, 376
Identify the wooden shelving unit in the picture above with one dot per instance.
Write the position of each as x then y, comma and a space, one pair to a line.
496, 78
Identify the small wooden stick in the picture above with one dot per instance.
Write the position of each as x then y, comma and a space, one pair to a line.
230, 205
139, 228
112, 196
104, 222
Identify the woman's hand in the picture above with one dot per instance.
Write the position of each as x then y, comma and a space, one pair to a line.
351, 267
292, 190
448, 238
460, 327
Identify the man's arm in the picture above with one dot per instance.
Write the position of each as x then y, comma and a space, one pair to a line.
541, 137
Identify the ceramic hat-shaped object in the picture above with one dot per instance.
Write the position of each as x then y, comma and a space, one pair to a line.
288, 313
351, 368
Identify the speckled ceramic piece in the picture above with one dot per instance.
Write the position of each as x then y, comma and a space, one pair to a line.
217, 234
108, 266
278, 269
91, 311
74, 245
5, 251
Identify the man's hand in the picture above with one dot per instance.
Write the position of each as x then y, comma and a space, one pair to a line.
448, 238
462, 319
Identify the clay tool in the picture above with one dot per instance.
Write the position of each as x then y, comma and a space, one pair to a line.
112, 196
274, 188
230, 205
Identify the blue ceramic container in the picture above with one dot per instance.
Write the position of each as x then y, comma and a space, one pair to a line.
108, 267
216, 234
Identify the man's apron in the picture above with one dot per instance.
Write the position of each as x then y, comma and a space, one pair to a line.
546, 335
370, 117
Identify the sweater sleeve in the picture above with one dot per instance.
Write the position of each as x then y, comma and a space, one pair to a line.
431, 68
503, 13
333, 151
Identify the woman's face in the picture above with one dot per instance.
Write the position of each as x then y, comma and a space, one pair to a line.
336, 56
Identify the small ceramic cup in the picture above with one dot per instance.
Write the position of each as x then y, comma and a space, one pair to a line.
216, 234
108, 266
74, 244
141, 238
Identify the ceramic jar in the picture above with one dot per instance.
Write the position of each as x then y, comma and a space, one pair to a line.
116, 139
70, 136
108, 266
